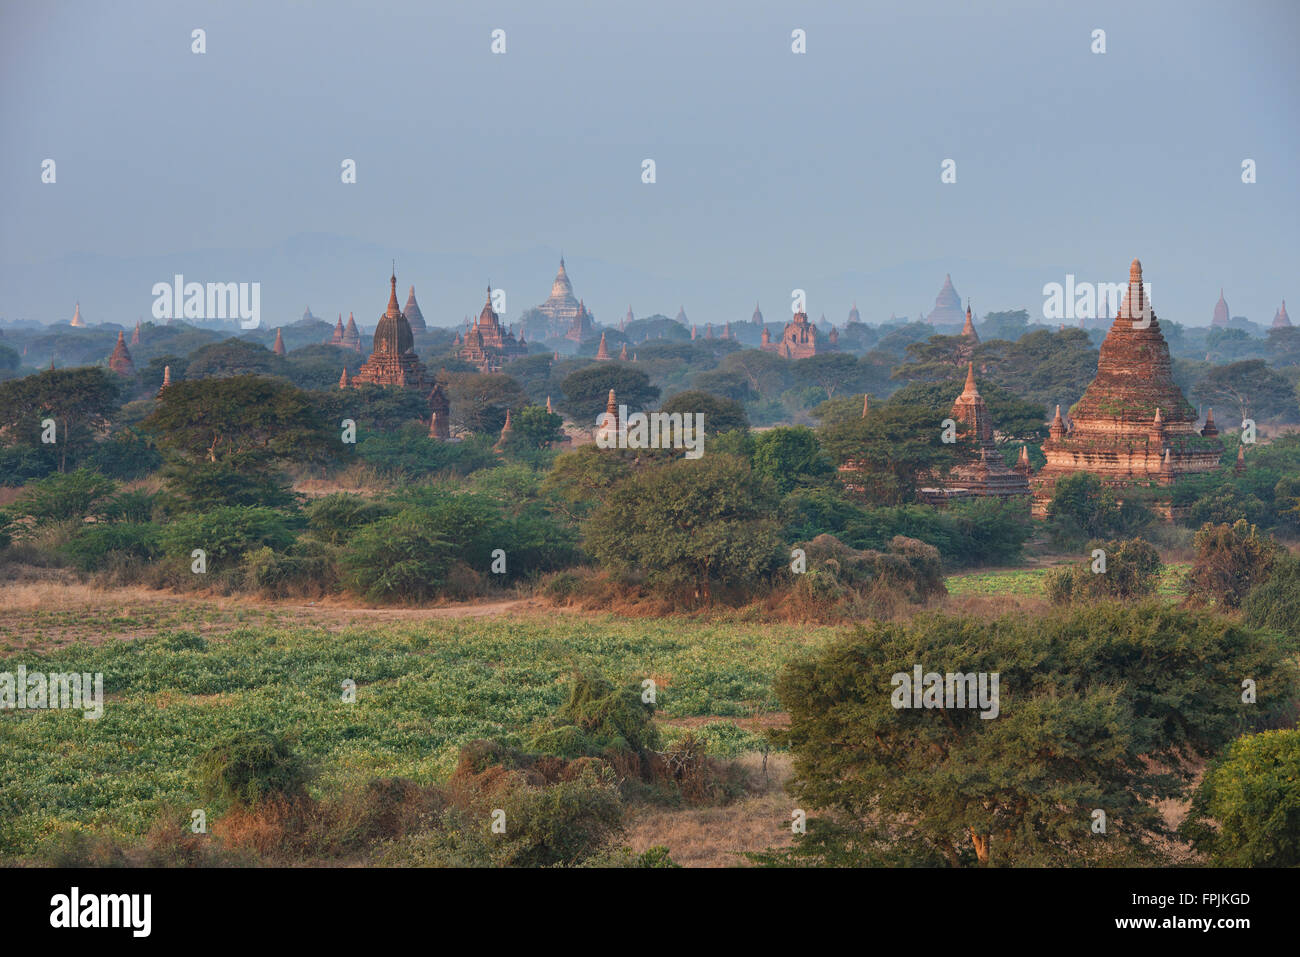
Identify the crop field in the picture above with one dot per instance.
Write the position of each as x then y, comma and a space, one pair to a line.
423, 688
1030, 582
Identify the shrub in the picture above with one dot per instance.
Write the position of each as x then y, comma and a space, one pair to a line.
597, 719
95, 547
1230, 560
1275, 603
60, 497
226, 534
335, 518
1082, 508
406, 557
307, 568
1253, 796
252, 767
1132, 571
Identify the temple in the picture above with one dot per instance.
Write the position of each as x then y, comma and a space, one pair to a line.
582, 327
561, 308
392, 361
351, 335
414, 318
120, 361
1220, 319
487, 345
985, 474
947, 306
799, 341
278, 348
1133, 425
77, 321
1280, 319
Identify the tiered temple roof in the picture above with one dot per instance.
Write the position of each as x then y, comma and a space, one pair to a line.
986, 474
1220, 311
1280, 319
120, 361
351, 335
798, 341
488, 345
414, 318
561, 308
947, 306
392, 360
1133, 423
76, 318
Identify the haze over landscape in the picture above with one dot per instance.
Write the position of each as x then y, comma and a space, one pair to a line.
473, 167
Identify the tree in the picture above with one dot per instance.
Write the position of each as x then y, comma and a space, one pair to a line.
583, 477
479, 401
689, 525
1082, 508
891, 451
587, 390
1108, 708
535, 428
831, 371
1246, 813
720, 414
789, 457
74, 495
1230, 561
234, 357
248, 417
1011, 415
1131, 570
1009, 325
1251, 389
80, 401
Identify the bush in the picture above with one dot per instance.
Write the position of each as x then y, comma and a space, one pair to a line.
1132, 571
597, 719
1230, 561
60, 497
406, 557
1082, 508
335, 518
869, 582
1275, 603
307, 568
252, 767
1252, 794
226, 534
95, 547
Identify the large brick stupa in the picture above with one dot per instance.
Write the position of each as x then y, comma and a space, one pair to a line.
1133, 425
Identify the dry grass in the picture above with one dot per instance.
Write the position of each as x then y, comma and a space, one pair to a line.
719, 836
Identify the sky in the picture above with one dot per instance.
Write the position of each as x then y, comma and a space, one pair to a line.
774, 170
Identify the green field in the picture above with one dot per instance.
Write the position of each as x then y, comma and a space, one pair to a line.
1029, 582
423, 689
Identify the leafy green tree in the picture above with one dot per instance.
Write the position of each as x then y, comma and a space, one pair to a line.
247, 418
832, 372
479, 401
1251, 389
536, 428
587, 390
406, 557
1083, 508
789, 457
234, 357
720, 414
1275, 603
1246, 812
80, 401
689, 525
582, 478
892, 451
1109, 708
225, 534
75, 495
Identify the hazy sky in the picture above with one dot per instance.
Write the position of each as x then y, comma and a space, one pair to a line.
774, 170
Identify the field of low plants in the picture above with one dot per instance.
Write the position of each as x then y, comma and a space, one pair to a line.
1031, 582
423, 689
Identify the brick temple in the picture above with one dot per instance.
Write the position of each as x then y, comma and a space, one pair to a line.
489, 346
393, 360
1133, 425
798, 341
